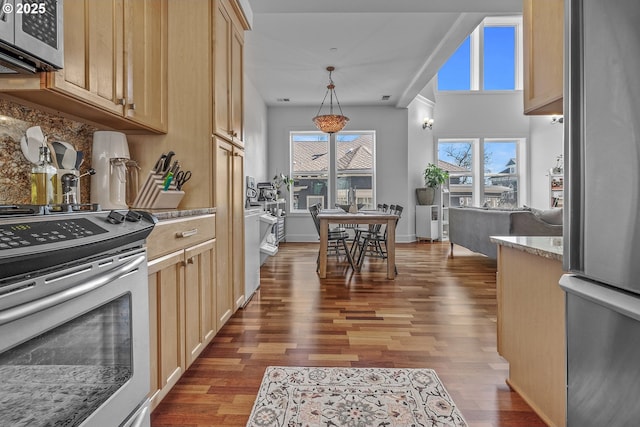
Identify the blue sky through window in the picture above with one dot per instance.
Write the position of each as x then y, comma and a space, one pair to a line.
499, 155
499, 58
455, 74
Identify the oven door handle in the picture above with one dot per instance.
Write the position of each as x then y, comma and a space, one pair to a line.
75, 291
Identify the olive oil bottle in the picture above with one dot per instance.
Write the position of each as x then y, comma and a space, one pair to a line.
44, 180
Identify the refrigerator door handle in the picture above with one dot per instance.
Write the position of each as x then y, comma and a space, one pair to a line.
618, 301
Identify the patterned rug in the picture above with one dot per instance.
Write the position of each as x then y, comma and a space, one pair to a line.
354, 397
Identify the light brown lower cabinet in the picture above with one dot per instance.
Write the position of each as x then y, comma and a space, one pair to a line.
531, 330
182, 298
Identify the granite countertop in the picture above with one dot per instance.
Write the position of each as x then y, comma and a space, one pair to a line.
544, 246
164, 214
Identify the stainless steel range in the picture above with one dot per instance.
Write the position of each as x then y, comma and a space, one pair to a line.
74, 320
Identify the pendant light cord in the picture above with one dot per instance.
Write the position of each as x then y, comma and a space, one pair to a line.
330, 89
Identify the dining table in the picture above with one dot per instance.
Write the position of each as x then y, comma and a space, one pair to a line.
339, 216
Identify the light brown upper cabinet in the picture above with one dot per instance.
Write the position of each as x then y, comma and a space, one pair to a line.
543, 56
93, 54
228, 65
115, 66
146, 62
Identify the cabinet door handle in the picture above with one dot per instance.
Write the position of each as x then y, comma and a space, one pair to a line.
132, 106
121, 101
190, 260
187, 233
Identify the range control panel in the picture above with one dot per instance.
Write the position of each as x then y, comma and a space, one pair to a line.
30, 234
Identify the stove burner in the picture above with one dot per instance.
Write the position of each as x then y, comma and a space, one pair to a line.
34, 210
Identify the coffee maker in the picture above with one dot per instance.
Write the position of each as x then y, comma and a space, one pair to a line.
267, 192
109, 159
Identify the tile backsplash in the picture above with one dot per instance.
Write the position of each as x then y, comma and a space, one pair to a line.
15, 169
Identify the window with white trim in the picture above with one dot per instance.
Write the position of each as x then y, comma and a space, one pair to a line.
324, 169
490, 58
484, 171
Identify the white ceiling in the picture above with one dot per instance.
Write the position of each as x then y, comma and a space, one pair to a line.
379, 47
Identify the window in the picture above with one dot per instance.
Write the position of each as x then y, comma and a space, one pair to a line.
494, 163
326, 167
354, 168
456, 157
499, 58
489, 59
455, 74
500, 173
309, 169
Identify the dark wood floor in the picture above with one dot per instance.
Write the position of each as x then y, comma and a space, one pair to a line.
439, 313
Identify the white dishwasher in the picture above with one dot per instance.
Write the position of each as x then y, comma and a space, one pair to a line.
252, 240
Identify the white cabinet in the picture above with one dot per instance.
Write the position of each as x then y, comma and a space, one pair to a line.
556, 190
432, 221
277, 209
444, 201
427, 224
252, 252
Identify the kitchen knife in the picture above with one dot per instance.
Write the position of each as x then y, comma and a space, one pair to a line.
167, 161
173, 169
159, 166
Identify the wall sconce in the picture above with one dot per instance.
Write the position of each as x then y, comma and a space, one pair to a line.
427, 123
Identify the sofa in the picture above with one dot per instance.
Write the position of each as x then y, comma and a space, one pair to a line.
471, 227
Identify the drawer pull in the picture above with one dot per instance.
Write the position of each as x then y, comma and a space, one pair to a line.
187, 233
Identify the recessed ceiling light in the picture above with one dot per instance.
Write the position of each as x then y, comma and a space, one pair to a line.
333, 49
283, 99
386, 97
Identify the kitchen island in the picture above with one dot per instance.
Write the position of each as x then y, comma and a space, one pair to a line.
531, 321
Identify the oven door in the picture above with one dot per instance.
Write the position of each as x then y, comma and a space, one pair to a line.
76, 352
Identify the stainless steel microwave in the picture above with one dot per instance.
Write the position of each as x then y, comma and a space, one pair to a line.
31, 36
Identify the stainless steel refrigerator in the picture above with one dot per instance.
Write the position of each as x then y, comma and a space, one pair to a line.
602, 218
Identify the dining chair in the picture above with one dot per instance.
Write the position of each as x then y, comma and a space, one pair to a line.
336, 239
369, 239
356, 246
374, 244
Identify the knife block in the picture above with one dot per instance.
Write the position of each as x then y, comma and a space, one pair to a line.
153, 196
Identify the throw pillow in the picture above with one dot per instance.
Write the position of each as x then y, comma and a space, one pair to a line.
550, 216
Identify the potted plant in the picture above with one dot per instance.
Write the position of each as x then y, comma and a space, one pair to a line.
279, 180
434, 177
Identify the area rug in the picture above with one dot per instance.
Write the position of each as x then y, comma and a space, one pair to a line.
354, 397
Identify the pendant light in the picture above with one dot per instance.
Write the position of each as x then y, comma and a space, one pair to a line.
330, 123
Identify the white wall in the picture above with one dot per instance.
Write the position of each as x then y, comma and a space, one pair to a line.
421, 152
255, 133
500, 115
545, 146
480, 114
392, 182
